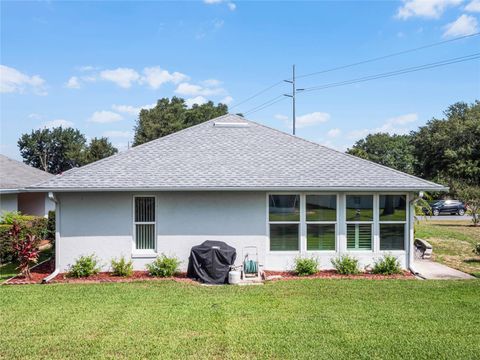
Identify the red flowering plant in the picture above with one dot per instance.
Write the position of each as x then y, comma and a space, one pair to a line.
25, 250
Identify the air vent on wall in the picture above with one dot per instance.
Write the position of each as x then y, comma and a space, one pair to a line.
230, 124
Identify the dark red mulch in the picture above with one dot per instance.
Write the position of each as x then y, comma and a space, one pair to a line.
332, 274
38, 274
106, 277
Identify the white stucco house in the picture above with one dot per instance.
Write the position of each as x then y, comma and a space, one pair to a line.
14, 177
240, 182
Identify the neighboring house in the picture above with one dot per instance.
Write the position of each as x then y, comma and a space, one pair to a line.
14, 177
240, 182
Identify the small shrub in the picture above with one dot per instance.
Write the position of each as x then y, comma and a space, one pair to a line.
84, 266
6, 244
306, 266
51, 226
388, 265
122, 267
476, 249
164, 266
346, 265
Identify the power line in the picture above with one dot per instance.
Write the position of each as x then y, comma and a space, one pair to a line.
388, 56
265, 104
257, 94
396, 72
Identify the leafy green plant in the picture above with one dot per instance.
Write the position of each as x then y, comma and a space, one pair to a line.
6, 244
476, 249
122, 267
306, 266
84, 266
51, 226
346, 265
387, 265
164, 266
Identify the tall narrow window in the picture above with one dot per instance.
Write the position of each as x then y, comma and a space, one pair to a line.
144, 219
284, 218
393, 220
321, 218
359, 212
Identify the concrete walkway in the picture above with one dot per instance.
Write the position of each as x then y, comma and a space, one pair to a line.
434, 271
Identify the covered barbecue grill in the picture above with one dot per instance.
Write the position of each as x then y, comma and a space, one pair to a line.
210, 262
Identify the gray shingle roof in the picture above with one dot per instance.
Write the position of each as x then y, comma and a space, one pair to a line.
15, 175
252, 156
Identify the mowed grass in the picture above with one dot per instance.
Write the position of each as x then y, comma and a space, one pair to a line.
301, 319
452, 243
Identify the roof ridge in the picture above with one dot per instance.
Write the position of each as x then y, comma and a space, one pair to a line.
344, 153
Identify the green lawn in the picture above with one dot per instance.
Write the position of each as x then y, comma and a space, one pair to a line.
309, 319
452, 243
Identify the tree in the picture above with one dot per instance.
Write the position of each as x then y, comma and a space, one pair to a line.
448, 149
170, 116
58, 149
53, 150
470, 195
395, 151
98, 149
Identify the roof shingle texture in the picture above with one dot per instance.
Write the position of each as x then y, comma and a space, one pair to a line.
15, 175
206, 157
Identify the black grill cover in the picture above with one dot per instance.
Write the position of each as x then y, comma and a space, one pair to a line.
210, 262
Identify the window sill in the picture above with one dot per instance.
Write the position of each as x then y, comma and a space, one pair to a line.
144, 255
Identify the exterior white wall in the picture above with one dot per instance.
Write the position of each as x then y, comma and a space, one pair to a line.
8, 202
102, 223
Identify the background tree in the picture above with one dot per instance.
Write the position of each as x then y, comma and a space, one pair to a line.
395, 151
98, 149
169, 116
449, 149
58, 149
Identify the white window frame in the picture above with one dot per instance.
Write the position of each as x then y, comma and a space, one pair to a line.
299, 223
371, 223
144, 252
404, 222
308, 222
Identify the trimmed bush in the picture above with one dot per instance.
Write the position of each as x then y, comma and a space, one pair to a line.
346, 265
164, 266
306, 266
84, 266
51, 226
122, 267
388, 265
6, 244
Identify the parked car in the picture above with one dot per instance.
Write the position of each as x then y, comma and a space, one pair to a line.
453, 207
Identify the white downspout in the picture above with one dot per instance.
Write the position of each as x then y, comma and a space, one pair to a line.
47, 279
411, 235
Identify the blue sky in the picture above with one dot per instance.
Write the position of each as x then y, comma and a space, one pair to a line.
91, 65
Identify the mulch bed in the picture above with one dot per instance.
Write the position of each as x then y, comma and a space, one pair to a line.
43, 270
332, 274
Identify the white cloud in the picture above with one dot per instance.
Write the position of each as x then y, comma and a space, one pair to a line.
231, 6
58, 123
473, 6
118, 134
199, 100
105, 116
211, 82
35, 116
131, 110
197, 90
333, 132
73, 83
86, 68
464, 25
281, 117
425, 8
311, 119
14, 81
123, 77
227, 100
155, 77
395, 125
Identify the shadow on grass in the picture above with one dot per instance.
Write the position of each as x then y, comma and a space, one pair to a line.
472, 260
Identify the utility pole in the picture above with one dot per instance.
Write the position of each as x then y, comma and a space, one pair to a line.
294, 92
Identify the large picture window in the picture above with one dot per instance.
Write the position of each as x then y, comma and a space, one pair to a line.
359, 216
144, 221
393, 219
321, 218
284, 218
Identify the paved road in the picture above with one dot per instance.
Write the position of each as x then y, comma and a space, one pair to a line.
446, 217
